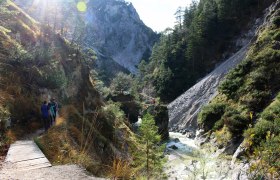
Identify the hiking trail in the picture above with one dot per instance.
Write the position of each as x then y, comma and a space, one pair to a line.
25, 161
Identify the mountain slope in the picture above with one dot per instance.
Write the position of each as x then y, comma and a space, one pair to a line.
184, 110
111, 28
37, 64
206, 36
247, 105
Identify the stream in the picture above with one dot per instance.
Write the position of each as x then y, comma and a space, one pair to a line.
185, 160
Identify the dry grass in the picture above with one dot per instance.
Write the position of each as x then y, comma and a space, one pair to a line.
121, 169
223, 136
61, 144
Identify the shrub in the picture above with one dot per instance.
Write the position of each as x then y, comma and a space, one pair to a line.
266, 56
234, 80
258, 79
56, 80
121, 169
223, 136
235, 122
276, 21
218, 125
261, 129
272, 112
210, 115
53, 79
267, 155
276, 36
256, 100
229, 87
122, 82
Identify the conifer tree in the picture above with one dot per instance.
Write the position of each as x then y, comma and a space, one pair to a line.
152, 151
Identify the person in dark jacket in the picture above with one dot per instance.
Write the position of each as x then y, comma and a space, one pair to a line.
53, 110
45, 115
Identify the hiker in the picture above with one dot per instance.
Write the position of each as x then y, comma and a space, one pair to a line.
53, 110
45, 115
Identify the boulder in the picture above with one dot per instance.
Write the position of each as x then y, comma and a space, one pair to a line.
231, 148
173, 147
240, 172
238, 153
190, 135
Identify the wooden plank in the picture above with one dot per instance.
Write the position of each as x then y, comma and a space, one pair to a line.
23, 151
24, 156
22, 143
32, 162
37, 166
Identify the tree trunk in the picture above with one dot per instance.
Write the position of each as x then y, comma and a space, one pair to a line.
147, 154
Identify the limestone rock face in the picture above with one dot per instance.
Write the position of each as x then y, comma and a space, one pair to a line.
116, 26
112, 28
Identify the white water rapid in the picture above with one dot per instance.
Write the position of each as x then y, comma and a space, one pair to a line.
190, 162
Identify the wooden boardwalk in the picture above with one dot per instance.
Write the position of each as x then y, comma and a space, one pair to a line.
25, 155
25, 161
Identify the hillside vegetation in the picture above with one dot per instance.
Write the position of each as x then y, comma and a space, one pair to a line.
37, 63
204, 36
247, 105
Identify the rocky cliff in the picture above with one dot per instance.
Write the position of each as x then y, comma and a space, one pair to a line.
112, 28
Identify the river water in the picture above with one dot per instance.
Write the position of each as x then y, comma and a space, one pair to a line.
192, 162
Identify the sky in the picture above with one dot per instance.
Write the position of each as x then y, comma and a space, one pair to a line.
158, 14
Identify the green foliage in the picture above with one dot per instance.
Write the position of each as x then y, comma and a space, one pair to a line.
210, 116
251, 87
99, 84
52, 79
230, 86
276, 36
150, 157
234, 80
190, 50
272, 112
121, 83
113, 111
267, 154
269, 122
276, 21
235, 122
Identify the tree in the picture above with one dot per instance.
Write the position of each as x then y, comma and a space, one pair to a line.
122, 82
150, 139
179, 16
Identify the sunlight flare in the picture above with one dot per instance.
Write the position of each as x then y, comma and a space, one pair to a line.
82, 6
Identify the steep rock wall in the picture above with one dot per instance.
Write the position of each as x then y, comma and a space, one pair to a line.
112, 28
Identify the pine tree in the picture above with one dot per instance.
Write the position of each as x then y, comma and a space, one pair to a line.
152, 150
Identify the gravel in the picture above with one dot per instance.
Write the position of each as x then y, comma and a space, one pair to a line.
69, 172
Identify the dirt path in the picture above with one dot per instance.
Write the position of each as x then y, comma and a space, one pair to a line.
69, 172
